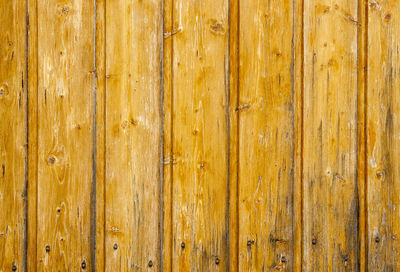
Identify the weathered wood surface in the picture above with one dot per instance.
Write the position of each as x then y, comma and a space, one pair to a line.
13, 129
383, 131
265, 138
133, 135
330, 211
65, 89
199, 135
199, 61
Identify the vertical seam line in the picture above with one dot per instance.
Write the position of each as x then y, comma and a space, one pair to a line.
227, 118
94, 145
238, 134
366, 130
171, 155
162, 30
26, 162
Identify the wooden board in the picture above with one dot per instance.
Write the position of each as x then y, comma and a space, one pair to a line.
98, 210
65, 70
330, 198
13, 129
383, 131
199, 135
133, 135
265, 136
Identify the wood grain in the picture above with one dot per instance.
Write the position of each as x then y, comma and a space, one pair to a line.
65, 134
32, 84
383, 130
265, 136
298, 133
13, 131
330, 136
133, 135
233, 154
167, 225
99, 141
199, 140
199, 135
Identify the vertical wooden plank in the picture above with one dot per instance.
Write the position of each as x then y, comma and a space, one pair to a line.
330, 136
167, 232
65, 134
298, 139
233, 154
361, 136
13, 127
265, 136
133, 131
383, 125
200, 60
32, 85
100, 134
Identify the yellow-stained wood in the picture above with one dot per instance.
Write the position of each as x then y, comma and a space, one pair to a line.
361, 137
65, 72
383, 131
13, 133
265, 136
330, 136
99, 207
133, 135
297, 100
188, 135
167, 225
32, 84
233, 91
199, 141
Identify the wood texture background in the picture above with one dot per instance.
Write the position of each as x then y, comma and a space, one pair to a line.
199, 135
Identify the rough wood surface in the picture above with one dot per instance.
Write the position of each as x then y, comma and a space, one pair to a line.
13, 129
383, 131
330, 136
32, 135
199, 135
133, 135
265, 136
98, 215
65, 134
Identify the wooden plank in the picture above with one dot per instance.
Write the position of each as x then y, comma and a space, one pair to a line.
330, 136
100, 155
298, 133
32, 85
383, 126
13, 127
361, 136
133, 135
265, 136
233, 155
167, 231
65, 134
199, 144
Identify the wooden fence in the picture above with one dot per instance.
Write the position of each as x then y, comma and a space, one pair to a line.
199, 135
